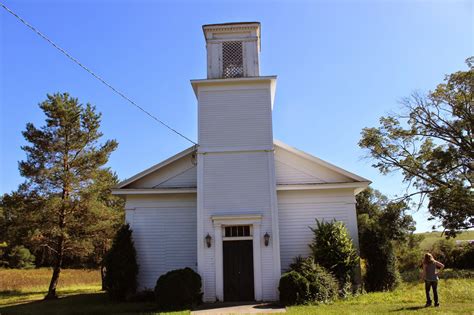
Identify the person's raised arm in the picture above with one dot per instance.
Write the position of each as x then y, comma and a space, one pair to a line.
439, 265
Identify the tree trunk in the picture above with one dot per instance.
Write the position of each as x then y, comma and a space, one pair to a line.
103, 270
61, 224
56, 271
59, 253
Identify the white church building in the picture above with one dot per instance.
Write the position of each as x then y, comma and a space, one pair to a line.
237, 207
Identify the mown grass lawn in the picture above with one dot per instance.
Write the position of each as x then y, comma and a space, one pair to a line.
456, 297
21, 292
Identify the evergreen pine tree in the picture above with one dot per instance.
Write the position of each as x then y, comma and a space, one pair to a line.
121, 268
64, 164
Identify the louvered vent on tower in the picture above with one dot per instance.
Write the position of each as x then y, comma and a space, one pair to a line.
232, 60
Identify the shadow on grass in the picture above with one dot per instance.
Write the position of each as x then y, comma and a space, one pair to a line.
411, 308
92, 303
269, 306
224, 305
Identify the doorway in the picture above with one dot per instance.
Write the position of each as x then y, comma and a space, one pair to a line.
238, 270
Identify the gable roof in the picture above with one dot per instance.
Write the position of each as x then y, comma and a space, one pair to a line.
156, 167
317, 172
319, 161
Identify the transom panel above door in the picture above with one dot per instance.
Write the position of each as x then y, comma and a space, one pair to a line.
237, 231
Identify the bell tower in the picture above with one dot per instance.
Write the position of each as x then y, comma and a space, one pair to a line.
236, 185
232, 50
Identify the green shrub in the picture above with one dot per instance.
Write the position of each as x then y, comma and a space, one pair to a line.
409, 260
333, 249
121, 268
294, 288
453, 255
20, 257
444, 250
465, 257
380, 261
179, 288
322, 285
3, 258
409, 253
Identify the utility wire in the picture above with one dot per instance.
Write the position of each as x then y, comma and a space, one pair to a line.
31, 27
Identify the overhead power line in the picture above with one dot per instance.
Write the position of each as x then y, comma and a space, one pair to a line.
64, 52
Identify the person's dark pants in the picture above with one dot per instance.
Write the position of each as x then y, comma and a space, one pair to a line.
434, 285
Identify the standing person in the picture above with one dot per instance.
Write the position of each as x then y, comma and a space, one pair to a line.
430, 275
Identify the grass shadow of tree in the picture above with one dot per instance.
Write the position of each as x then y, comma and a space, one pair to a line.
95, 303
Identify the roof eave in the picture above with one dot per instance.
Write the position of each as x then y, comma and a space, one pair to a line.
357, 186
154, 191
195, 83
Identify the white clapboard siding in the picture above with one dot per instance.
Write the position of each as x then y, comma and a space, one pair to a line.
291, 168
289, 174
165, 174
164, 233
238, 184
235, 117
188, 178
297, 212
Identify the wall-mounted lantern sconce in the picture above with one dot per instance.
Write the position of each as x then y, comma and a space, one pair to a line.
266, 238
208, 240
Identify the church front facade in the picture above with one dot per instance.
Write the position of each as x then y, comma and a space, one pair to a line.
238, 206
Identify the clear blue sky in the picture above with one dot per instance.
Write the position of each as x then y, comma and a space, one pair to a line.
340, 66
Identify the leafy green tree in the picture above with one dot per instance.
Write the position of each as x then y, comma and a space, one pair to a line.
20, 257
333, 249
432, 144
65, 167
20, 220
383, 225
381, 264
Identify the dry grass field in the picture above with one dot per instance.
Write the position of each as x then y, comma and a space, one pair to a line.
20, 285
38, 279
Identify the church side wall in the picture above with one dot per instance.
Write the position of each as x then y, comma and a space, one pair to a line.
297, 211
164, 233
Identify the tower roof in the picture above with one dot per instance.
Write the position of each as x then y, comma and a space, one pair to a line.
231, 27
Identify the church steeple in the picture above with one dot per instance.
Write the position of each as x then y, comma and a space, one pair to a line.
236, 183
232, 50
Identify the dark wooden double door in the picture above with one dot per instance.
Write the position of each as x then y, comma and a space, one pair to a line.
238, 270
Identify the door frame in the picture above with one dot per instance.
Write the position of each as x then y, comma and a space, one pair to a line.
255, 222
